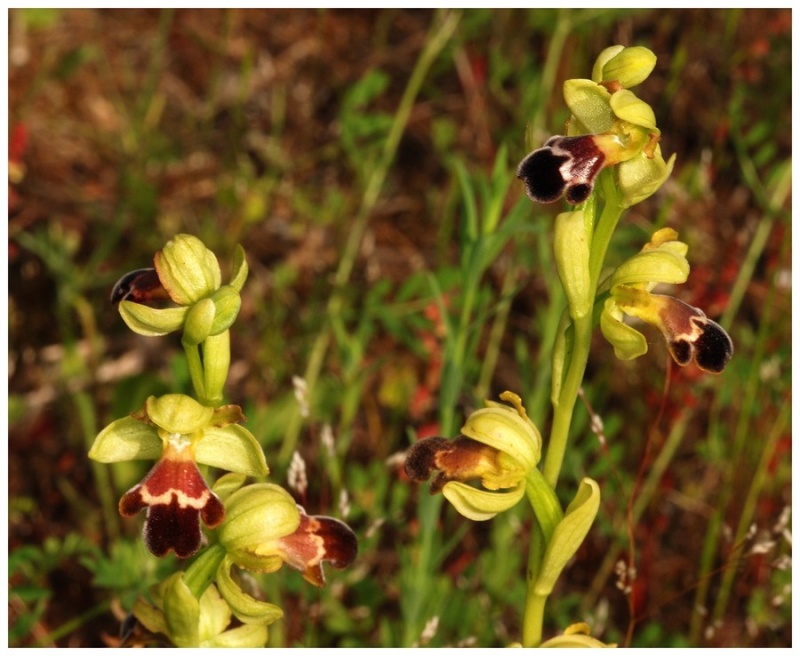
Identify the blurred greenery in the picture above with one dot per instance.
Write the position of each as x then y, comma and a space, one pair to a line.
418, 280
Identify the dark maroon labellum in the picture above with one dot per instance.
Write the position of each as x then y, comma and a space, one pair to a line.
139, 286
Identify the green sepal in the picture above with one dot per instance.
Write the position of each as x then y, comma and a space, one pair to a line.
181, 612
151, 322
178, 413
126, 439
149, 616
187, 269
199, 320
480, 505
232, 448
640, 177
245, 607
568, 535
227, 303
602, 59
659, 265
257, 516
243, 637
590, 106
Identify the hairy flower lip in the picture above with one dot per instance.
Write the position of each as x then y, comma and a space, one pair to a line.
564, 166
176, 498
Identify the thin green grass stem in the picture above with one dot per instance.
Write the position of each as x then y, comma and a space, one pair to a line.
444, 27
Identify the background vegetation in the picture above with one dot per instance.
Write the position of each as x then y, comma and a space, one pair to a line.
279, 130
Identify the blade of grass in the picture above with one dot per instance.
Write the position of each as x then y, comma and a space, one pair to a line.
444, 27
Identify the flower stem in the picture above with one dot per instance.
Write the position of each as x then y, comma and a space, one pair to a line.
564, 403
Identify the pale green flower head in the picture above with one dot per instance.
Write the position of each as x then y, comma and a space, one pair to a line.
689, 334
499, 446
188, 274
191, 622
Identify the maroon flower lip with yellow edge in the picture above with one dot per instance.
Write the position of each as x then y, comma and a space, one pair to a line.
176, 497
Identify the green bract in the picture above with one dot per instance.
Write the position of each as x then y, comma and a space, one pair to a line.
571, 249
568, 535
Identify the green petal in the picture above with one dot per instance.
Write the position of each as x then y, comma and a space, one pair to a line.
178, 413
126, 439
628, 342
589, 104
227, 484
568, 535
151, 322
232, 448
480, 505
245, 607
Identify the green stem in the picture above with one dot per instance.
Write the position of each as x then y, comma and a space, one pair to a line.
203, 570
195, 370
564, 403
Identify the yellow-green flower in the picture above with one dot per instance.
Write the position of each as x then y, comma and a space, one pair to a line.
689, 334
498, 446
265, 528
188, 274
609, 126
178, 432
